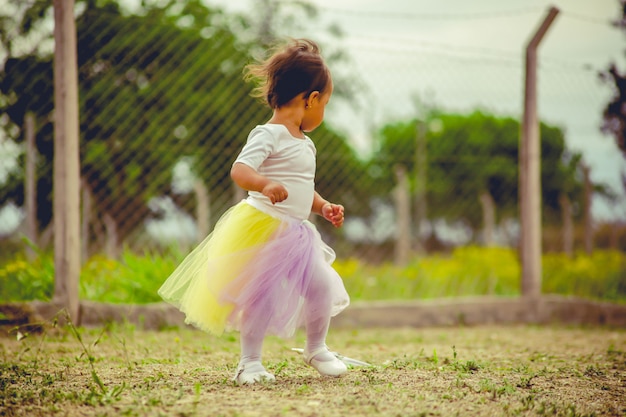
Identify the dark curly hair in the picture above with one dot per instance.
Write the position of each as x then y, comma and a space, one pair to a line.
292, 69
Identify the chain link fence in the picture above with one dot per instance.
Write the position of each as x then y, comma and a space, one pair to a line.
164, 112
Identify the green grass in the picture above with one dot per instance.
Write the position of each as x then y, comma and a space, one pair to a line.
468, 271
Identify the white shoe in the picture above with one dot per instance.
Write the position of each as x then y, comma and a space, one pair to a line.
333, 367
251, 373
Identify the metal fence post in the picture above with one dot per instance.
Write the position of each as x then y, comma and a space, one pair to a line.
66, 206
421, 167
30, 183
530, 180
588, 194
403, 216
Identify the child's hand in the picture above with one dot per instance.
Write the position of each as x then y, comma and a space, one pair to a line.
275, 192
333, 213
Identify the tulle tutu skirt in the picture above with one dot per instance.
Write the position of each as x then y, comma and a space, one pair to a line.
253, 274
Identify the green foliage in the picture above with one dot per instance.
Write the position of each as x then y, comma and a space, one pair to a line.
469, 154
156, 86
343, 177
473, 271
132, 279
21, 279
601, 275
167, 92
614, 118
468, 271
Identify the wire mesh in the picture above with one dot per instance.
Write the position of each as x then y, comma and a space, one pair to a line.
164, 112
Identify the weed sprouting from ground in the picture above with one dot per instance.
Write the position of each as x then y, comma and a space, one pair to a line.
33, 369
87, 353
122, 342
104, 394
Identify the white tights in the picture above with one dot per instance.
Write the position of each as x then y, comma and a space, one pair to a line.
317, 307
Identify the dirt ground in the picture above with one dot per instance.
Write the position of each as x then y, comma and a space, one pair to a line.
118, 370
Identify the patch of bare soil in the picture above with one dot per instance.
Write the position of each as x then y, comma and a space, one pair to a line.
117, 370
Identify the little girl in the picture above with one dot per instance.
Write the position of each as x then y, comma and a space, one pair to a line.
265, 269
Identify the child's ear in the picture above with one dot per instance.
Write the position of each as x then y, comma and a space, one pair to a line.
314, 96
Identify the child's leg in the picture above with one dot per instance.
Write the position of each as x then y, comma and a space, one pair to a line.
250, 369
317, 312
251, 347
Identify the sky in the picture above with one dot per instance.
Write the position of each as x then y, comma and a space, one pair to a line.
465, 55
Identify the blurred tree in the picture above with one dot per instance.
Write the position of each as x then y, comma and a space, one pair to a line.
614, 113
341, 176
26, 87
473, 158
146, 83
157, 87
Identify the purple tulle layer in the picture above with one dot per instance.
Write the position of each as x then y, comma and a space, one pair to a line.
271, 295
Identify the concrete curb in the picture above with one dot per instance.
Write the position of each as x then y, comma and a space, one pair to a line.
441, 312
483, 310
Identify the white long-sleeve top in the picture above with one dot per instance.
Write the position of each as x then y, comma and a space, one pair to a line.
274, 153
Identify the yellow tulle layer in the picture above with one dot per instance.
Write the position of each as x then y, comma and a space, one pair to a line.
233, 244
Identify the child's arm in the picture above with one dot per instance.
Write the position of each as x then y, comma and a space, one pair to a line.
250, 180
331, 212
